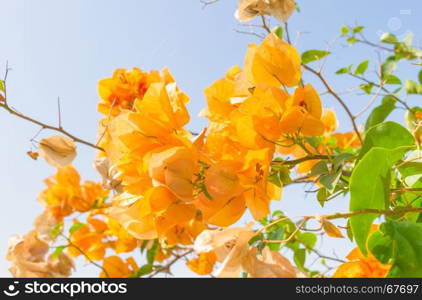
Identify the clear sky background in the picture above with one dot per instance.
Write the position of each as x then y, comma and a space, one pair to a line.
63, 47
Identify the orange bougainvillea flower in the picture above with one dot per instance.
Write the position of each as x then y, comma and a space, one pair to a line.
329, 119
120, 91
304, 113
273, 62
115, 267
89, 240
254, 178
203, 264
360, 266
162, 110
174, 168
65, 194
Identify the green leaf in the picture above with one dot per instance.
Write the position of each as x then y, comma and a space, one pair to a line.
57, 252
313, 55
381, 112
308, 239
362, 67
278, 30
344, 30
411, 168
56, 230
352, 40
370, 189
420, 77
399, 244
389, 135
413, 87
392, 79
319, 168
389, 38
2, 89
75, 227
300, 258
344, 70
330, 181
276, 235
152, 253
144, 270
388, 67
367, 87
358, 29
322, 196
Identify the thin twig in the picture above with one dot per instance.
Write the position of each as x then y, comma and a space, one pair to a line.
166, 268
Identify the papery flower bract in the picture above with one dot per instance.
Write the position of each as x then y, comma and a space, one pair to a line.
203, 264
280, 9
360, 266
65, 193
125, 86
89, 240
115, 267
28, 257
57, 150
273, 62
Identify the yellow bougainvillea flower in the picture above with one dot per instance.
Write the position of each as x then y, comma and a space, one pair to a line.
125, 86
115, 267
203, 264
162, 110
280, 9
273, 62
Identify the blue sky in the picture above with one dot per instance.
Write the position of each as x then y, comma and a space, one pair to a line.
61, 48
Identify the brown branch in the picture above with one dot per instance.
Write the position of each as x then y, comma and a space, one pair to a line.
301, 160
167, 267
71, 244
381, 86
337, 97
49, 127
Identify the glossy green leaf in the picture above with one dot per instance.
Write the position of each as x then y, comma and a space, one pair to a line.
392, 79
389, 38
399, 244
358, 29
389, 135
362, 67
381, 112
344, 30
367, 87
388, 67
278, 30
75, 227
370, 189
313, 55
413, 87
